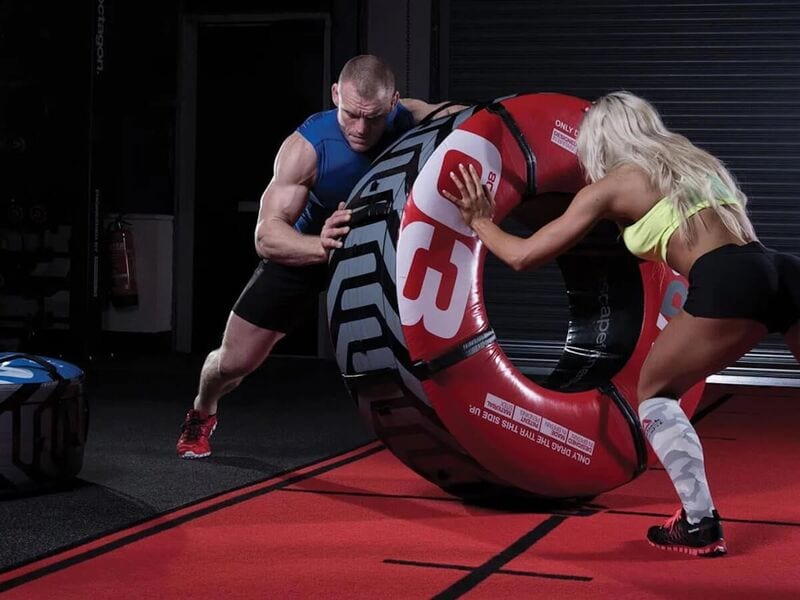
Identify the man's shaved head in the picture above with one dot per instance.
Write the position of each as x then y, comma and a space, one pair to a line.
369, 76
364, 97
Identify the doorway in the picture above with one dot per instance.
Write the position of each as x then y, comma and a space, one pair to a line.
241, 67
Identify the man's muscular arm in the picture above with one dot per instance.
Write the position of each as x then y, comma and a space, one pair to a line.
282, 203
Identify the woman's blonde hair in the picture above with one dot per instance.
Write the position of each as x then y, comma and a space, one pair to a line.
623, 129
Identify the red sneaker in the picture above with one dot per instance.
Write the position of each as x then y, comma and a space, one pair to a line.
195, 431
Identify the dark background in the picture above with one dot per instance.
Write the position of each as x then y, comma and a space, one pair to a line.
146, 119
78, 144
244, 76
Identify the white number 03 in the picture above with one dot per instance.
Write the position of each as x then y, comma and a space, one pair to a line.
415, 242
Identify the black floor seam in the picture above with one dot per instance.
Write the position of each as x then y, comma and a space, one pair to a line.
374, 495
514, 572
494, 564
723, 519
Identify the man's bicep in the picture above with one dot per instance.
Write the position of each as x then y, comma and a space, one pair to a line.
284, 201
294, 175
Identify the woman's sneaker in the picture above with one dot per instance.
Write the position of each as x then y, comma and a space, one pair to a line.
678, 535
196, 429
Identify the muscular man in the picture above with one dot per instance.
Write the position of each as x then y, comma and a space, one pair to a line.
301, 218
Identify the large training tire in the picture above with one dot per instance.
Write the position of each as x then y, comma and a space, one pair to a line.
579, 436
365, 327
411, 333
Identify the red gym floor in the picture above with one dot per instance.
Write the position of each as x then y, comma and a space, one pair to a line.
361, 525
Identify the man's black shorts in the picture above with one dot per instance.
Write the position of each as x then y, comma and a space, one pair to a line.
750, 282
277, 297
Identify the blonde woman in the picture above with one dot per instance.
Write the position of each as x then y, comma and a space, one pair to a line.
678, 204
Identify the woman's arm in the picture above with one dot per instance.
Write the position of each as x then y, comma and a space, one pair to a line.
588, 207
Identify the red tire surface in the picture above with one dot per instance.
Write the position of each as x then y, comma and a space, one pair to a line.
579, 435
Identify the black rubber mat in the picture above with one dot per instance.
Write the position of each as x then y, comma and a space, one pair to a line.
290, 412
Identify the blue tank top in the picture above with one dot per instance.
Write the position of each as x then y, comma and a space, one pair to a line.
339, 167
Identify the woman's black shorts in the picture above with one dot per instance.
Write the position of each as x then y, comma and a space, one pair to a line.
277, 297
750, 282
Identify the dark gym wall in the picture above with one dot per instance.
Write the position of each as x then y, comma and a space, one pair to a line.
88, 103
252, 75
44, 92
725, 74
241, 70
90, 89
347, 18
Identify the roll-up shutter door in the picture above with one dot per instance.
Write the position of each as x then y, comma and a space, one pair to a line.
726, 74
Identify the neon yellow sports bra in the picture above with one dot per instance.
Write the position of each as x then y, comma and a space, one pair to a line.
648, 237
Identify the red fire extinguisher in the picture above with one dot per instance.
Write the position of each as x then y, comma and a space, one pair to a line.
123, 264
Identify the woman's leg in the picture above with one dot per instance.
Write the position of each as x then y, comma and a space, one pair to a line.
693, 348
686, 352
